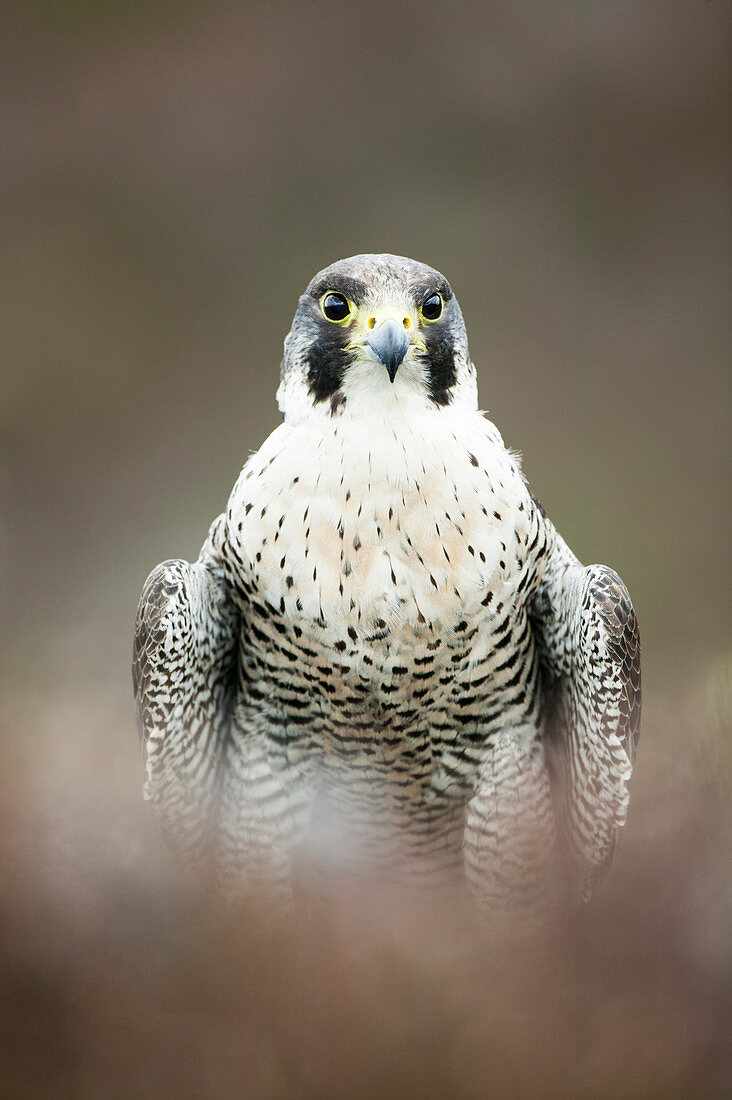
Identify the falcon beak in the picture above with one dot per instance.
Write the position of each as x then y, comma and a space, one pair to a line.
389, 342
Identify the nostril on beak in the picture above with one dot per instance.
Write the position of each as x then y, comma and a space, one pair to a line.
390, 344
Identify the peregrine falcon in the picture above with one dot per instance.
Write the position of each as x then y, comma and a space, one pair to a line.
385, 652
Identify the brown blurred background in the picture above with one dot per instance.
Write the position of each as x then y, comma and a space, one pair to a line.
172, 174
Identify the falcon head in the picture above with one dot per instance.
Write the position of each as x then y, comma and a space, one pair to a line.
374, 333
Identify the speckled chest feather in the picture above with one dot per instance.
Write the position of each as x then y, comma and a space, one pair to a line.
382, 564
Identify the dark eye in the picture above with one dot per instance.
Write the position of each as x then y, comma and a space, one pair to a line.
335, 306
432, 307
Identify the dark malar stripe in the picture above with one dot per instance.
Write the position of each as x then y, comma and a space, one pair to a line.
326, 362
440, 362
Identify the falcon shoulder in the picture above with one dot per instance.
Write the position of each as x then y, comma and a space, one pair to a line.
184, 674
589, 647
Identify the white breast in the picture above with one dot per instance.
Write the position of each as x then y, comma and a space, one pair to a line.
380, 520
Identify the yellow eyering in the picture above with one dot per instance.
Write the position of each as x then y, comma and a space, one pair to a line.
433, 320
351, 309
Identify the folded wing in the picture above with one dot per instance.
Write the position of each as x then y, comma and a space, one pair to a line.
589, 645
184, 674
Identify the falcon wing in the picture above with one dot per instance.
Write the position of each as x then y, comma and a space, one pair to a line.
589, 646
184, 675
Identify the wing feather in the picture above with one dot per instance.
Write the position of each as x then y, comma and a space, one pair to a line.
589, 644
184, 675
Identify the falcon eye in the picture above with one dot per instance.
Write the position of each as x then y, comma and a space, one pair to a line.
431, 308
336, 307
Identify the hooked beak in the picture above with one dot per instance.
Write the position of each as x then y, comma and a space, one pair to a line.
389, 343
